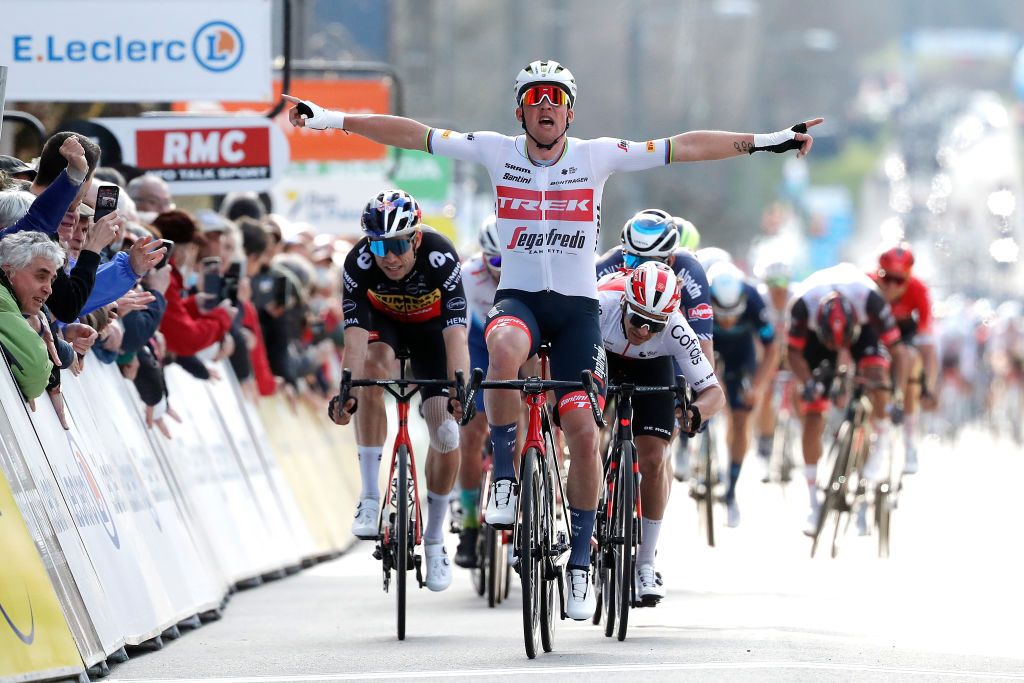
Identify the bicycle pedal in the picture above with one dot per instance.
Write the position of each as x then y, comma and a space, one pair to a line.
648, 602
377, 554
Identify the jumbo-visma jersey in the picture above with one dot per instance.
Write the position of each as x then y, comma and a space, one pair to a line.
548, 217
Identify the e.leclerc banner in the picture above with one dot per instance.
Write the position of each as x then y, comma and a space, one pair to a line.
136, 50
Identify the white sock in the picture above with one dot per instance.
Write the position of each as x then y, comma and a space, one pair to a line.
909, 428
650, 528
369, 470
811, 472
437, 512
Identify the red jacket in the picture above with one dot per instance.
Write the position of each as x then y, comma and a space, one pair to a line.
258, 355
185, 328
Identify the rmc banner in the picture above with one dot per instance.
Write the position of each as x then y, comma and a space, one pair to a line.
136, 50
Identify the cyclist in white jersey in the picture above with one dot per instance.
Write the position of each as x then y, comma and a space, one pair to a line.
548, 200
643, 331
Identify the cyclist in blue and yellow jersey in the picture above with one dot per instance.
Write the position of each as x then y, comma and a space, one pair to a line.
548, 189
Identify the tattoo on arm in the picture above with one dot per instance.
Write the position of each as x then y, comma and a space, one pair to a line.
742, 146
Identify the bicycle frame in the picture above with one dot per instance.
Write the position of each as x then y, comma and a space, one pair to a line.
402, 439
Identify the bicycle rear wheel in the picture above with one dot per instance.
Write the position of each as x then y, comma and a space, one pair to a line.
402, 534
529, 550
625, 537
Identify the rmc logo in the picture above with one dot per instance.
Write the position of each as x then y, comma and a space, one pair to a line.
218, 46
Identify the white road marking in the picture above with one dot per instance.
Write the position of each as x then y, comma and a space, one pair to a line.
592, 669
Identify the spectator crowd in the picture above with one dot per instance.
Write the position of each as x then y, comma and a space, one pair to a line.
147, 284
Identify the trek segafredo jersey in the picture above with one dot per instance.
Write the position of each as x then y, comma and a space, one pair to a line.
549, 216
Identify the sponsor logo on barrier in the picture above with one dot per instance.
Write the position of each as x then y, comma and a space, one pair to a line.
104, 516
24, 637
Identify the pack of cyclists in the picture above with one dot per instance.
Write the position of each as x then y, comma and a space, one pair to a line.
652, 308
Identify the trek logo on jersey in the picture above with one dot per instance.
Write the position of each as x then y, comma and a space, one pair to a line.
700, 312
553, 205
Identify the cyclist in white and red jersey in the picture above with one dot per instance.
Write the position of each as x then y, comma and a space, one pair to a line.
839, 317
643, 331
548, 200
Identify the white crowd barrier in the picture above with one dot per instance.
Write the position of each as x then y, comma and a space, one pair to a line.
136, 534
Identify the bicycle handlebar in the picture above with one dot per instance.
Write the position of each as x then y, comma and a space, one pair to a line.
530, 385
347, 383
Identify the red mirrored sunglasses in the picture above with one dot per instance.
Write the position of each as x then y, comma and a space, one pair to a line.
535, 95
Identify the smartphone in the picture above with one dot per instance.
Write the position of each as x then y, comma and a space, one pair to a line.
212, 282
169, 246
106, 200
231, 279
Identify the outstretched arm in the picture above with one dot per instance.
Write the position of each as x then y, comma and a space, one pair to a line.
396, 131
710, 145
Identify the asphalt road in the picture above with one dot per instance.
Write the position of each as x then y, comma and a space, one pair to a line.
946, 606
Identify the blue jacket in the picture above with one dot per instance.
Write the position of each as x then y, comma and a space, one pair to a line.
48, 209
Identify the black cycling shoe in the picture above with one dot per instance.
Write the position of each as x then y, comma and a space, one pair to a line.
465, 554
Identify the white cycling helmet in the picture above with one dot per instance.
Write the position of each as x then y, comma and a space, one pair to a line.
709, 256
728, 295
650, 233
489, 236
545, 72
652, 289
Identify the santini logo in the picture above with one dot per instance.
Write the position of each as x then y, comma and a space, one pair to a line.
217, 46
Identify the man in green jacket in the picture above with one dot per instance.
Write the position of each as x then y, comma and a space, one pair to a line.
29, 262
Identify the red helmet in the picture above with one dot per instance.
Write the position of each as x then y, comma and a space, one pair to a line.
896, 261
652, 289
837, 324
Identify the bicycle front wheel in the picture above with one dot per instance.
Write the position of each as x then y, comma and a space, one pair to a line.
624, 529
492, 560
707, 503
530, 571
401, 541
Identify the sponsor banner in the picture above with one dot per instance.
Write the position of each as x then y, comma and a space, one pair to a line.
137, 50
285, 497
34, 637
326, 502
332, 200
352, 96
231, 415
98, 503
97, 629
202, 155
100, 399
224, 502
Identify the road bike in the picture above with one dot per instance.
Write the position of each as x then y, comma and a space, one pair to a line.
400, 529
619, 511
540, 534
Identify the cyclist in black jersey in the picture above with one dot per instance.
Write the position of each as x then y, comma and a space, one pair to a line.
403, 290
548, 189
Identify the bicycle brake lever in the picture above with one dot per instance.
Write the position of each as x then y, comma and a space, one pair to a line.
587, 379
469, 404
345, 392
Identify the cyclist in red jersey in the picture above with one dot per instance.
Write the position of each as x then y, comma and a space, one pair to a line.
912, 307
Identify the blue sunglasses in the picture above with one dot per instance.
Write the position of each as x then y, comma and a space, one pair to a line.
634, 260
393, 246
